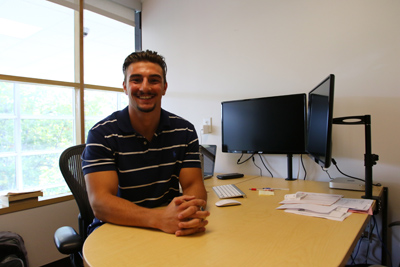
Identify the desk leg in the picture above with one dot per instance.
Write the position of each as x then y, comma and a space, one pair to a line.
384, 225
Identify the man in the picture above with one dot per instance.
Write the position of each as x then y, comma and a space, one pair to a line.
136, 158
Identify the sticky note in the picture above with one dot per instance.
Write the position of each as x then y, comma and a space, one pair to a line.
265, 193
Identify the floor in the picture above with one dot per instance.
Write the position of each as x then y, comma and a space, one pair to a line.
60, 263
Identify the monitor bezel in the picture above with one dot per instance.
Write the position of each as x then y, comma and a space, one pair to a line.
322, 160
294, 151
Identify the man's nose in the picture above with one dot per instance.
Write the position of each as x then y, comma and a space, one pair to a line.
145, 85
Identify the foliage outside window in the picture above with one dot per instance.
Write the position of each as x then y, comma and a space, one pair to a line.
38, 108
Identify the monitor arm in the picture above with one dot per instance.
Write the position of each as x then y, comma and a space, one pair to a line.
369, 158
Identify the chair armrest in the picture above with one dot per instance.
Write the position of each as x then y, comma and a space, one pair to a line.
394, 223
67, 240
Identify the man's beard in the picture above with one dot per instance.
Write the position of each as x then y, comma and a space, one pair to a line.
147, 110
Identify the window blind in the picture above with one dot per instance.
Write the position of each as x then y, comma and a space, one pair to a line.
120, 10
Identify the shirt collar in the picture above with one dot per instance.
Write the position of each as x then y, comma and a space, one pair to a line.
164, 121
124, 122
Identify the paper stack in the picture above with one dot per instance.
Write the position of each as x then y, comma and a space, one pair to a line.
328, 206
19, 197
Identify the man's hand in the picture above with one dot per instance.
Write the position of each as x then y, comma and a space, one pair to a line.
184, 217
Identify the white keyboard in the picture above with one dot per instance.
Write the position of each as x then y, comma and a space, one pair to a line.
228, 191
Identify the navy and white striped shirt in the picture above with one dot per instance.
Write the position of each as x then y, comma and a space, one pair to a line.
148, 172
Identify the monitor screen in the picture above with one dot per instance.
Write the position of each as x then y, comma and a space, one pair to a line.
319, 126
208, 154
268, 125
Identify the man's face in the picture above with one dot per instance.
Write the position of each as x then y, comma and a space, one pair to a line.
144, 86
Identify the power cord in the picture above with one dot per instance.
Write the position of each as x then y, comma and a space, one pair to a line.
380, 239
364, 237
334, 163
326, 171
353, 257
304, 168
254, 162
239, 162
252, 157
201, 136
265, 166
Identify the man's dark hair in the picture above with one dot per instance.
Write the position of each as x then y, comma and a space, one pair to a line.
148, 55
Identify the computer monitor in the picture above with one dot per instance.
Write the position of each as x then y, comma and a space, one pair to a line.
319, 125
267, 125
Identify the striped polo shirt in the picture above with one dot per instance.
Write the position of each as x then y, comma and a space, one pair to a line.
148, 172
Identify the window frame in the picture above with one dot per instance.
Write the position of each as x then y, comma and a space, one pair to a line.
79, 89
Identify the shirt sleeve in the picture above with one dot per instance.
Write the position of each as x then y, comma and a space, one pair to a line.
192, 157
98, 154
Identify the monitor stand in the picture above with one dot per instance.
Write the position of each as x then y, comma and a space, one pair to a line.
347, 184
369, 158
290, 168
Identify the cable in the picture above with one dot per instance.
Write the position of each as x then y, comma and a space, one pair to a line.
367, 252
304, 168
373, 226
265, 166
254, 162
238, 161
380, 239
201, 136
326, 171
334, 163
353, 258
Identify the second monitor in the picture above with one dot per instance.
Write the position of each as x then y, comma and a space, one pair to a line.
267, 125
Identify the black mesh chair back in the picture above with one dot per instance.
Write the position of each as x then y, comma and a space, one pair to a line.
71, 169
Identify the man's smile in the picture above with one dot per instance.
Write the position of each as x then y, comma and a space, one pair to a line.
145, 97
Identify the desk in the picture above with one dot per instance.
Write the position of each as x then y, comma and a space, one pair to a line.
252, 234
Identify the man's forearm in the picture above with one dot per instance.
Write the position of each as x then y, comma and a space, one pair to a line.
198, 191
120, 211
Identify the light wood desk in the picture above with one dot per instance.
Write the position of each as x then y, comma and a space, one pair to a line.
252, 234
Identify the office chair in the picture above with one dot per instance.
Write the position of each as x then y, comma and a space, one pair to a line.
396, 223
67, 240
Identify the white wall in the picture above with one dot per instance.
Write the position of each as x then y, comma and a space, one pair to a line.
37, 227
219, 50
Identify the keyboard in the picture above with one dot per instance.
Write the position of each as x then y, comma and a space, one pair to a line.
228, 191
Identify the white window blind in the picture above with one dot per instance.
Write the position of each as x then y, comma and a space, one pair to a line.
120, 10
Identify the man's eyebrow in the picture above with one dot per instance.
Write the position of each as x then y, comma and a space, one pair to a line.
155, 76
135, 76
140, 76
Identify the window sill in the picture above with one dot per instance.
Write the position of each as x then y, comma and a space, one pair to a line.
24, 205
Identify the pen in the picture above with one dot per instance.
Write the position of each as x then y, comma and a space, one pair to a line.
267, 188
264, 188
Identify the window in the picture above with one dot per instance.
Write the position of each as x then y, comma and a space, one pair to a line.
37, 40
40, 85
99, 104
36, 123
107, 43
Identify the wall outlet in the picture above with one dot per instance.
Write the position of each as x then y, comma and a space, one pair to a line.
207, 125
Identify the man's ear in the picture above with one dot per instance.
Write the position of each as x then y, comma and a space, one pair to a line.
165, 88
124, 87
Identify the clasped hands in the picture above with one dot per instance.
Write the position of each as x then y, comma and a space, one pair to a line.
183, 216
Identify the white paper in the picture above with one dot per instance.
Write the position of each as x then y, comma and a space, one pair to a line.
355, 204
311, 198
337, 215
328, 206
309, 208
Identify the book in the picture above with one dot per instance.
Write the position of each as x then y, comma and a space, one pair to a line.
11, 197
